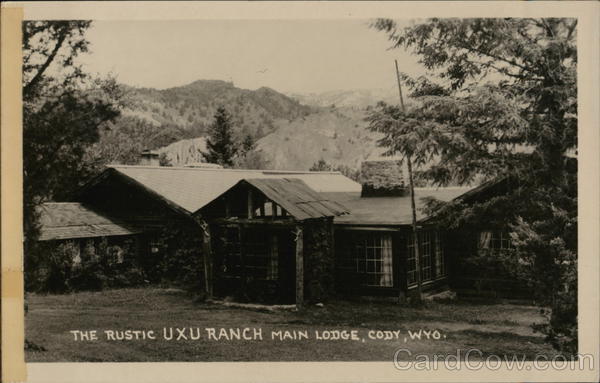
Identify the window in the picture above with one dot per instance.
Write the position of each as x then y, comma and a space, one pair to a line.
260, 254
117, 253
440, 262
411, 261
374, 259
269, 209
495, 240
429, 246
155, 246
425, 239
73, 247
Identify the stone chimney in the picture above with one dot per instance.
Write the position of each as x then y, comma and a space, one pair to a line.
382, 179
149, 158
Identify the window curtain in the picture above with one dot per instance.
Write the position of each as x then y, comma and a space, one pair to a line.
386, 261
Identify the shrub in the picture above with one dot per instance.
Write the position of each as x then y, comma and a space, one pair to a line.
59, 267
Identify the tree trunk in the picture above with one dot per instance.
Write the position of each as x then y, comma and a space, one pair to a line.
419, 296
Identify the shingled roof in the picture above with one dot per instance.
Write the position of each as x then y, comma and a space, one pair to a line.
389, 210
293, 195
192, 188
69, 220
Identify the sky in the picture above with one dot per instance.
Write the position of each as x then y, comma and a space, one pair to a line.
298, 56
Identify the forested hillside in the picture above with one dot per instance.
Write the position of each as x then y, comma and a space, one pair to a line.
153, 118
288, 134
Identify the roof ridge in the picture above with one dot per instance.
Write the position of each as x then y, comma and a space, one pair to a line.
444, 187
62, 203
265, 171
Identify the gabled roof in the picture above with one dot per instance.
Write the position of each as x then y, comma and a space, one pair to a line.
192, 188
389, 210
68, 220
293, 195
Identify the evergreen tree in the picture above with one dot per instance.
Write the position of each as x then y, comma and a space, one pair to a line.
222, 148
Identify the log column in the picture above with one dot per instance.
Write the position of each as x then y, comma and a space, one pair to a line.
207, 259
299, 266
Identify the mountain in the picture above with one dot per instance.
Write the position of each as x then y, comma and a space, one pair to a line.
192, 107
153, 118
288, 134
355, 98
337, 136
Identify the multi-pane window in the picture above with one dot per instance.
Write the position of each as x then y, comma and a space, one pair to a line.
431, 257
260, 259
495, 240
440, 264
374, 259
411, 262
425, 238
256, 253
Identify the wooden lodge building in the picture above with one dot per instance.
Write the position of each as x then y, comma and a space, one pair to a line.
276, 236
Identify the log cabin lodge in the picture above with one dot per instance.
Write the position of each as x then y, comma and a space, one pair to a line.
292, 236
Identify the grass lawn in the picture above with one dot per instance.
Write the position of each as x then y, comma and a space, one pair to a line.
501, 329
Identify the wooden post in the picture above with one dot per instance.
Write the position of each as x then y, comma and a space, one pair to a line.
412, 199
415, 231
299, 266
207, 259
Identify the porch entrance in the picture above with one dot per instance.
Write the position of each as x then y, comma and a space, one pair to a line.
254, 241
255, 263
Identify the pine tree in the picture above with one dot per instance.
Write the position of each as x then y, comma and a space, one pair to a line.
221, 145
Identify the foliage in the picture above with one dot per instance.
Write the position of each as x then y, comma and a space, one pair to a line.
163, 160
520, 124
63, 110
59, 268
495, 272
221, 144
248, 157
321, 166
86, 265
123, 140
179, 259
252, 159
50, 45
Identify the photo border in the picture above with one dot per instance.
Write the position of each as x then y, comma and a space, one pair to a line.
11, 176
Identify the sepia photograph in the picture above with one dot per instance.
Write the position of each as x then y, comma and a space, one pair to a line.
381, 189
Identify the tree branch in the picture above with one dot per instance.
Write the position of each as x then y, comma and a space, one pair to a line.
38, 76
571, 29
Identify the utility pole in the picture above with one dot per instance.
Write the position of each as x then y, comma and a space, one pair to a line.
411, 187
